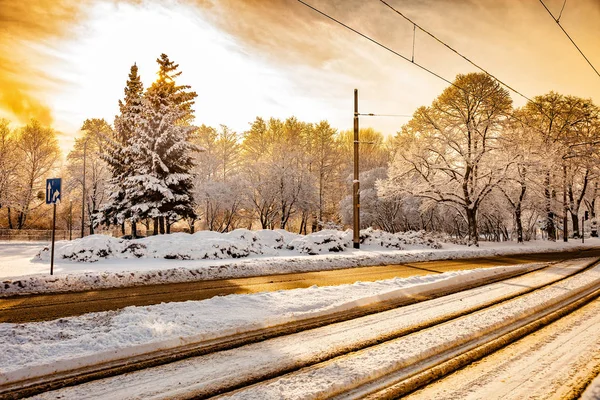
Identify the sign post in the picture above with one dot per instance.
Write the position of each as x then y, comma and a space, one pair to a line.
53, 192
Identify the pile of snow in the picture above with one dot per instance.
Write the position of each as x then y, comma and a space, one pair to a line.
239, 243
322, 242
420, 239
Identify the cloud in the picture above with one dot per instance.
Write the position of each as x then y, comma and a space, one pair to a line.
28, 31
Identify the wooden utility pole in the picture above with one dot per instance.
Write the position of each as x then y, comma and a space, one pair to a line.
83, 190
70, 220
355, 182
565, 209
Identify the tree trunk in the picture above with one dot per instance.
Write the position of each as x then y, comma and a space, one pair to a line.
134, 230
518, 210
8, 216
321, 197
161, 222
123, 228
155, 232
283, 220
575, 221
472, 222
519, 223
91, 225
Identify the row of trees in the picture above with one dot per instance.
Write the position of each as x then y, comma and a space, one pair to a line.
472, 152
469, 165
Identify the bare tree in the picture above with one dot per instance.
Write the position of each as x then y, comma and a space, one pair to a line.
97, 174
9, 165
37, 147
447, 150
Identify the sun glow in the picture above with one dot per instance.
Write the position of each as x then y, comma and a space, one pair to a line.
99, 55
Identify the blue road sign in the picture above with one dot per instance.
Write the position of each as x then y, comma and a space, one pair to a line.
53, 190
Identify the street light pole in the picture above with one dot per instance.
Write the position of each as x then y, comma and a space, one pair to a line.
355, 182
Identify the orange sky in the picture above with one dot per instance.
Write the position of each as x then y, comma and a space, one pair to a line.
65, 61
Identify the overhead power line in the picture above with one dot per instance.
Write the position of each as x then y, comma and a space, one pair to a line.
417, 64
379, 44
561, 10
557, 20
454, 50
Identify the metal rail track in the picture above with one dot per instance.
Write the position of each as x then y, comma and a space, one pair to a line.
408, 378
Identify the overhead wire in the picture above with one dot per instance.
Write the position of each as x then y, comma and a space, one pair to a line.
417, 64
454, 50
561, 10
571, 39
379, 44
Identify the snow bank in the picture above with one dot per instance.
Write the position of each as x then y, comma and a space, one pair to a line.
322, 242
133, 264
239, 243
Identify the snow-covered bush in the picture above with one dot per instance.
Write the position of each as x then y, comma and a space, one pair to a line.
274, 239
90, 249
374, 237
236, 244
420, 238
321, 242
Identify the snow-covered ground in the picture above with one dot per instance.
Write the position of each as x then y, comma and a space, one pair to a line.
103, 336
36, 348
70, 342
102, 262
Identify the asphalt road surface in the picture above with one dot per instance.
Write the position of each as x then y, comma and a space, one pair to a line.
31, 308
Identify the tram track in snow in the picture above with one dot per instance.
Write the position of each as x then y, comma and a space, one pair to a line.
57, 376
479, 298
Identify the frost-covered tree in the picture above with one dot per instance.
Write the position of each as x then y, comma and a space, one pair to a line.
117, 153
274, 161
258, 156
218, 192
521, 146
556, 119
38, 147
219, 204
9, 163
374, 156
325, 158
581, 161
446, 152
97, 174
160, 186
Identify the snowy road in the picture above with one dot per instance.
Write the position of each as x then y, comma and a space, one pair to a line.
318, 355
19, 309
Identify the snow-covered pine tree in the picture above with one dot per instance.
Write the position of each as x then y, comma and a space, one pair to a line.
117, 153
161, 186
